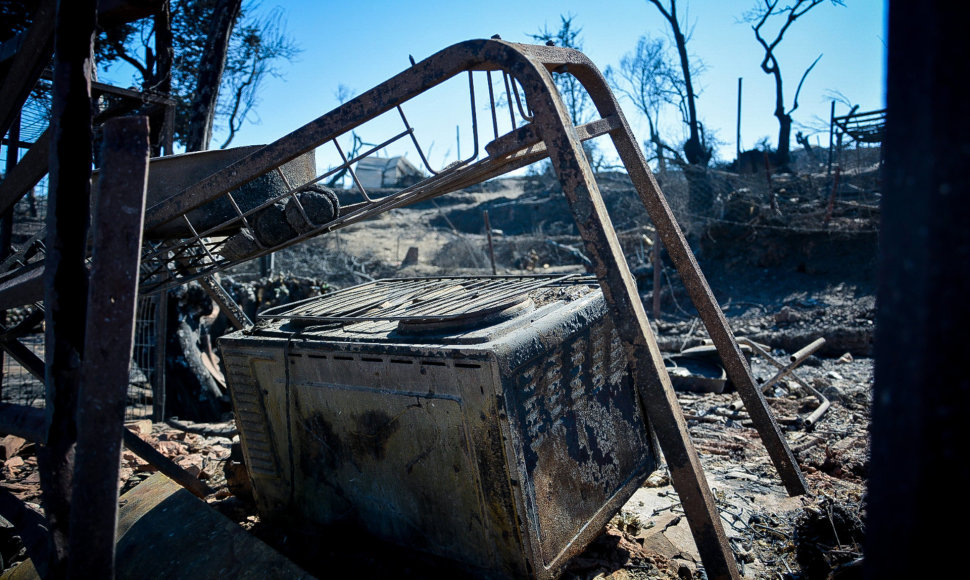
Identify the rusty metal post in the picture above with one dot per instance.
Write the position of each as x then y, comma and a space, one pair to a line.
491, 248
13, 155
700, 293
161, 338
6, 220
236, 315
65, 273
646, 362
657, 269
109, 340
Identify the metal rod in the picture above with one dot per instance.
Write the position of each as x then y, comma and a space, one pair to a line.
161, 345
491, 103
491, 248
414, 139
237, 317
182, 477
656, 394
109, 340
508, 99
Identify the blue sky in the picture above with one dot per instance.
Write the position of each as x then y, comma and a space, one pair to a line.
360, 44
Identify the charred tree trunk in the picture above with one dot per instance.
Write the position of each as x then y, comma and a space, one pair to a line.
161, 79
211, 66
783, 153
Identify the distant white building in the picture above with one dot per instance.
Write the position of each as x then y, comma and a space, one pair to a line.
374, 172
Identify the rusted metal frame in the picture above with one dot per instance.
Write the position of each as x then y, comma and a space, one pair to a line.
30, 423
27, 173
6, 214
27, 65
143, 449
680, 254
23, 421
35, 164
413, 81
109, 339
237, 317
655, 392
159, 376
65, 272
22, 286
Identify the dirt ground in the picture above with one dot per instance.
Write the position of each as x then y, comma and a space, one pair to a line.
784, 275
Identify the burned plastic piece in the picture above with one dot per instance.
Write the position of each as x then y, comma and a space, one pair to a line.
319, 206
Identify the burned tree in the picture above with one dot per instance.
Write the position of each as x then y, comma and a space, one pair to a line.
649, 82
701, 194
759, 17
695, 148
211, 56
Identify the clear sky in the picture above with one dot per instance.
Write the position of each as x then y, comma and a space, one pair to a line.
361, 43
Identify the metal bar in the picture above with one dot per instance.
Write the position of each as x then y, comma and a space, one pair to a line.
109, 340
656, 394
31, 526
23, 421
697, 288
237, 317
491, 104
414, 140
65, 273
144, 450
27, 64
27, 173
508, 99
161, 339
6, 215
491, 248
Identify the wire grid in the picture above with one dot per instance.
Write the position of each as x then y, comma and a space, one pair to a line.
142, 373
22, 388
19, 386
202, 248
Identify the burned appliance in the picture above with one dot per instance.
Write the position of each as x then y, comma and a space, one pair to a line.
490, 420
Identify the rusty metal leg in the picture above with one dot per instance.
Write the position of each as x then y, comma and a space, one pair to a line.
653, 384
703, 299
109, 339
237, 317
65, 273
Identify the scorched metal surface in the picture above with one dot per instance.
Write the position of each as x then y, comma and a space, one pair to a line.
488, 420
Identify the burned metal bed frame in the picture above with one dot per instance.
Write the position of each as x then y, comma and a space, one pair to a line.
542, 130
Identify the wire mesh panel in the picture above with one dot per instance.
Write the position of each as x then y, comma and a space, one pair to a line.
142, 373
20, 387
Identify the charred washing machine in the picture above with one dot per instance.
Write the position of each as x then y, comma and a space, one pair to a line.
491, 421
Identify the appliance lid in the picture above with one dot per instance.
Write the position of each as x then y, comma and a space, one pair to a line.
426, 307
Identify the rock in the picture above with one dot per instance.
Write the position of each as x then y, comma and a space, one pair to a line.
787, 314
11, 445
834, 376
657, 479
142, 427
845, 358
